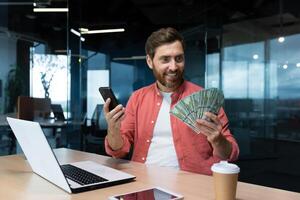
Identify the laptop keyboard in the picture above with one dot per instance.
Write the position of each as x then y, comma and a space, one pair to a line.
80, 176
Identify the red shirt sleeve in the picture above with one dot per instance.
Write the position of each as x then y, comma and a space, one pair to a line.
226, 132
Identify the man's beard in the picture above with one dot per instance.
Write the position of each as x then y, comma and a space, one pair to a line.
161, 78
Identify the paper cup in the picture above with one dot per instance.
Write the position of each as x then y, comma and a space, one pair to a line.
225, 180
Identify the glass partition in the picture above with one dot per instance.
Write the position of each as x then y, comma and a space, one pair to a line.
229, 45
34, 61
260, 80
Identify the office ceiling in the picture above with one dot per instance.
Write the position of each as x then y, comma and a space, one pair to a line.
141, 17
138, 17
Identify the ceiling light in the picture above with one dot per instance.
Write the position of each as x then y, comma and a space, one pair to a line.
34, 4
103, 31
281, 39
50, 9
78, 34
83, 30
298, 65
285, 66
75, 32
255, 56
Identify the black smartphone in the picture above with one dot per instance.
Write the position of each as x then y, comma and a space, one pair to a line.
106, 92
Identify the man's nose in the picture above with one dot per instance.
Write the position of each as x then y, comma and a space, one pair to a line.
173, 65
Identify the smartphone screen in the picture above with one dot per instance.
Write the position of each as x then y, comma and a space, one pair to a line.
150, 194
106, 92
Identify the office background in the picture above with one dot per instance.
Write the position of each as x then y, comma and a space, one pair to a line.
249, 49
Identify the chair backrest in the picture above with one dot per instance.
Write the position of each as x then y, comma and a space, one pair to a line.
58, 112
25, 108
29, 108
98, 118
41, 107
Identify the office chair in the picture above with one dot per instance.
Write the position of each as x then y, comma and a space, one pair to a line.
94, 135
7, 138
37, 109
58, 112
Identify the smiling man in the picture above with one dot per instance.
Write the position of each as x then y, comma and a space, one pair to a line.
158, 137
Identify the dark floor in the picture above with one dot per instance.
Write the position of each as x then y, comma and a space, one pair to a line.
268, 163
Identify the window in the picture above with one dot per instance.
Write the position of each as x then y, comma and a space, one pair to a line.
213, 70
285, 59
96, 79
49, 78
243, 71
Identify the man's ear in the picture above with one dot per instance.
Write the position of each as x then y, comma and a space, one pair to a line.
149, 62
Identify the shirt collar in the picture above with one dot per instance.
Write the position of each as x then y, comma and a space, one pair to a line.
175, 94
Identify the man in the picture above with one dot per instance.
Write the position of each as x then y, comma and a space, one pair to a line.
158, 137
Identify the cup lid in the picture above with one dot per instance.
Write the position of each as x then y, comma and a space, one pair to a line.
225, 168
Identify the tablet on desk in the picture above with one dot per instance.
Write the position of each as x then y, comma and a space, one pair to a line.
148, 194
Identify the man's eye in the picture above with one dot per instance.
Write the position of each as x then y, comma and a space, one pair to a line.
165, 59
179, 58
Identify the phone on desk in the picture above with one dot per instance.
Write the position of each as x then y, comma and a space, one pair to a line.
106, 92
148, 194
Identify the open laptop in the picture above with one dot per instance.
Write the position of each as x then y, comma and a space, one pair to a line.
74, 177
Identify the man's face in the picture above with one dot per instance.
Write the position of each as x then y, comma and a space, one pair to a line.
168, 66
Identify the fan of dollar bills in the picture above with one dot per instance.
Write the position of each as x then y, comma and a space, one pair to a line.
195, 105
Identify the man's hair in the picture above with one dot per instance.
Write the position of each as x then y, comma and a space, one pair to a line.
161, 37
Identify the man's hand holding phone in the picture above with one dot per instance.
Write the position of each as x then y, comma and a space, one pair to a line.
114, 118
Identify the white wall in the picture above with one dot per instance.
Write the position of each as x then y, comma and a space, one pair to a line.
7, 60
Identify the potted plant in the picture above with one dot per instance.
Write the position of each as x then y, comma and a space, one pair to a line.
14, 87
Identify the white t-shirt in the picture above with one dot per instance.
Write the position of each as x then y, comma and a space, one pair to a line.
162, 151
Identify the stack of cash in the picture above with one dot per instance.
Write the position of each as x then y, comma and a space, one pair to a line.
195, 105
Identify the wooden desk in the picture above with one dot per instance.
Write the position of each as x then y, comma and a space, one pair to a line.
18, 182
